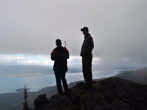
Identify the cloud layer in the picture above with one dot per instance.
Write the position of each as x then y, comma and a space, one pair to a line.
119, 27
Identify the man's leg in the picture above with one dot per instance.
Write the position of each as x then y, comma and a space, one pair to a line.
65, 84
58, 84
87, 69
84, 68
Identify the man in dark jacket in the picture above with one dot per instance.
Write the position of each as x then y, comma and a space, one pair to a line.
86, 53
60, 55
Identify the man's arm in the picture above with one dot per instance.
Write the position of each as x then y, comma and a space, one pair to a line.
66, 53
53, 54
90, 45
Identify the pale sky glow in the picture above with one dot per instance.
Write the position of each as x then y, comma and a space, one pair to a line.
29, 29
25, 59
30, 59
119, 27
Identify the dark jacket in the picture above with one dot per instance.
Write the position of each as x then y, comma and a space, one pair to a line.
87, 46
60, 56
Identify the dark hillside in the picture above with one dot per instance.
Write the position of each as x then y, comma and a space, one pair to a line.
139, 76
108, 94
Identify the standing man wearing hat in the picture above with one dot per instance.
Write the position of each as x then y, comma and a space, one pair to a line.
60, 55
86, 54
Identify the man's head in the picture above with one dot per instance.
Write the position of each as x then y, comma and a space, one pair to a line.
58, 42
85, 30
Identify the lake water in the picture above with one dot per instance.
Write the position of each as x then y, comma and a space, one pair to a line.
35, 71
38, 81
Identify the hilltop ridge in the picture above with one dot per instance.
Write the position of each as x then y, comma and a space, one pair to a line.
107, 94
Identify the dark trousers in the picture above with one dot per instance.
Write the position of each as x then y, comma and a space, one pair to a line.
61, 79
87, 69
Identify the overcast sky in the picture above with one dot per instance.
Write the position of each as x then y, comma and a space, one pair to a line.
119, 27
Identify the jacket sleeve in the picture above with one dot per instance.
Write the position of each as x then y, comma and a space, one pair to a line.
66, 53
53, 55
89, 45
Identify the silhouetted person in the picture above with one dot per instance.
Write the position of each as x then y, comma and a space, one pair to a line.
86, 53
60, 55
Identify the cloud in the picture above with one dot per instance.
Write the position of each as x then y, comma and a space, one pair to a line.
20, 65
28, 64
118, 27
24, 59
